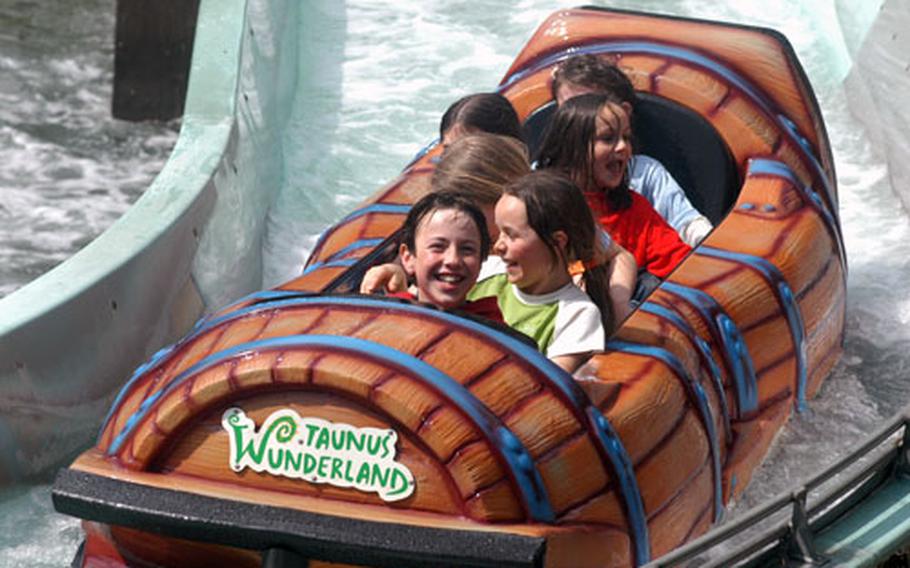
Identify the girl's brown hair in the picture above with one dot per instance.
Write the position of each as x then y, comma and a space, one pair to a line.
554, 203
479, 165
568, 144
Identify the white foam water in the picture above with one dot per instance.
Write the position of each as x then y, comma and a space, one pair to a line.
67, 169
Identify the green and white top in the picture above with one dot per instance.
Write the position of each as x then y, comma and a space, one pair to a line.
562, 322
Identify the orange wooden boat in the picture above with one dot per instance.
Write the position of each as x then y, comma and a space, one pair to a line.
308, 422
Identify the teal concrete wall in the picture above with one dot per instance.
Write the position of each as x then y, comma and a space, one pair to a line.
191, 243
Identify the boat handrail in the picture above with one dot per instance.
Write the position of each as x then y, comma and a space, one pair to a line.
791, 535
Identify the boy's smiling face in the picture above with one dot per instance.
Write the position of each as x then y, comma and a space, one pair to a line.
446, 258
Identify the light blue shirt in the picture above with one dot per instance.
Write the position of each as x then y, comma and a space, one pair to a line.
651, 179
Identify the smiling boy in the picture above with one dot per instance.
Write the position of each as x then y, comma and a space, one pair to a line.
444, 242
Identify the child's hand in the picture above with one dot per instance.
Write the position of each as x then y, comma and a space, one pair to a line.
388, 278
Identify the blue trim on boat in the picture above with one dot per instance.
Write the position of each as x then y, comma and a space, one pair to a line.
356, 245
154, 360
705, 354
515, 456
281, 300
831, 206
628, 484
343, 262
201, 325
266, 295
776, 168
787, 301
381, 208
695, 58
696, 394
732, 345
421, 153
613, 453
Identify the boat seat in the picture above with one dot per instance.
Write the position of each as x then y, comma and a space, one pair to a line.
684, 142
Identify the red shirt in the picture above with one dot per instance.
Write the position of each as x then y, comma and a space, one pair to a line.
641, 231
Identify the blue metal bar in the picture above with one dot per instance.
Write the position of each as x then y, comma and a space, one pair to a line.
331, 264
704, 351
421, 153
731, 343
380, 208
776, 168
699, 398
787, 302
356, 245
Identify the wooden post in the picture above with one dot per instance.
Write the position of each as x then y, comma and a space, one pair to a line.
152, 51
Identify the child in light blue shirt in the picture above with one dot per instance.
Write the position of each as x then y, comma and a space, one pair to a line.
585, 74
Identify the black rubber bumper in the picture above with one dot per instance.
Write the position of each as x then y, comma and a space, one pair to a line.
259, 527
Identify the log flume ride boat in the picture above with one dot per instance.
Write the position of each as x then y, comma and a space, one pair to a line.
309, 422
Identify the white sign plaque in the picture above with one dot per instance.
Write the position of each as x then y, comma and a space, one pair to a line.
318, 451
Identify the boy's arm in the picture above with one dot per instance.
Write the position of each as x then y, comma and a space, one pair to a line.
389, 277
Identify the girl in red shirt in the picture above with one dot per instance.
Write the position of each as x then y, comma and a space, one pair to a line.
589, 139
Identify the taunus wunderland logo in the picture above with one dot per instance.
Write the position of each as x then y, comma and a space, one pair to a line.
318, 451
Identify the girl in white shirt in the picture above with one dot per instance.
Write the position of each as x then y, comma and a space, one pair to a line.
544, 225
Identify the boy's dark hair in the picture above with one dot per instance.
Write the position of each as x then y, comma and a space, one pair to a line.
486, 112
438, 201
554, 203
595, 73
568, 144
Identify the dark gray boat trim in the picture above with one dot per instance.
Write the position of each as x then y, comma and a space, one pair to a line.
260, 527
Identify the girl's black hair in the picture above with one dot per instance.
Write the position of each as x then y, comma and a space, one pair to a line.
568, 145
554, 203
486, 112
438, 201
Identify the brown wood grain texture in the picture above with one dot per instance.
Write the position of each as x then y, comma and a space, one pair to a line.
648, 327
756, 435
315, 280
655, 436
119, 546
203, 450
157, 550
410, 186
540, 420
743, 49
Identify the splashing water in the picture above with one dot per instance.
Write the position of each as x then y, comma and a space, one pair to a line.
67, 169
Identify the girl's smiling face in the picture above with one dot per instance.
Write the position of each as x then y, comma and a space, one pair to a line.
612, 147
446, 258
530, 264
